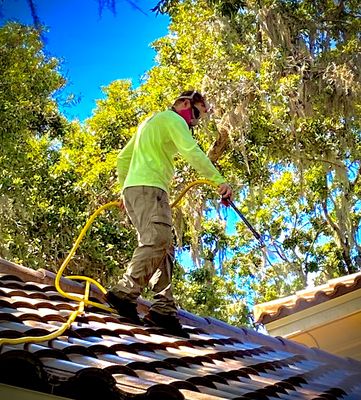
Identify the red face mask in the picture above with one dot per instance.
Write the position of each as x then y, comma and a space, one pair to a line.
187, 115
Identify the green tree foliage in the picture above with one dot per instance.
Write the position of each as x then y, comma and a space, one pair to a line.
29, 78
29, 127
88, 153
283, 78
55, 173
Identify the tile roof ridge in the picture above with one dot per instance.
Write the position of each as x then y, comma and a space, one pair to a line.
215, 326
9, 267
344, 278
306, 298
44, 276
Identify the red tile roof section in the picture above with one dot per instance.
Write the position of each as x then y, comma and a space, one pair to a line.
303, 299
105, 356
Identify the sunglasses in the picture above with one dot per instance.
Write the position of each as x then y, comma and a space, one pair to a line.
196, 112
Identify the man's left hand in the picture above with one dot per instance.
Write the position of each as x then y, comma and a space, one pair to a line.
225, 191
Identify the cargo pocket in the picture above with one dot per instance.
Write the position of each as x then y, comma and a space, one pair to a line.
161, 222
163, 213
156, 229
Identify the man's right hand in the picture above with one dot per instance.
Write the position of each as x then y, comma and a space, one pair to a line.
225, 191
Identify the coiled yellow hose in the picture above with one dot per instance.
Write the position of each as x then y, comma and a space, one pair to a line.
84, 300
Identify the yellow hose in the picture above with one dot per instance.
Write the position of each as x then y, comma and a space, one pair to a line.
84, 300
185, 190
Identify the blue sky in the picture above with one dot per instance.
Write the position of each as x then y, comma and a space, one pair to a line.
94, 50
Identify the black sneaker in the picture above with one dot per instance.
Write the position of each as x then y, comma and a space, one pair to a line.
125, 308
169, 323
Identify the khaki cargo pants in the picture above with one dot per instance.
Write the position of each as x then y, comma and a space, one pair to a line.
152, 262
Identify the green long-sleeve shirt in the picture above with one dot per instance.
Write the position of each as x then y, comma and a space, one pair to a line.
148, 158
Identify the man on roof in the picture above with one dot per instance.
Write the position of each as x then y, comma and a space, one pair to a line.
145, 169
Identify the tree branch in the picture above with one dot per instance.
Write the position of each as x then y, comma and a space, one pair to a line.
334, 226
219, 145
351, 186
336, 164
